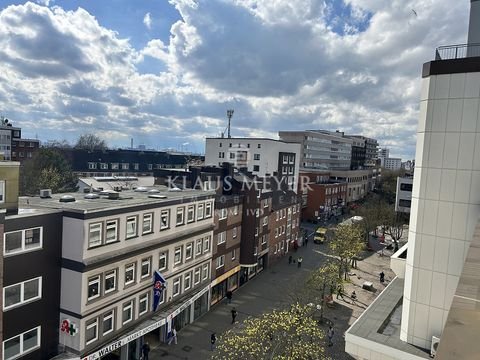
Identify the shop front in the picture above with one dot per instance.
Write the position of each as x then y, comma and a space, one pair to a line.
226, 282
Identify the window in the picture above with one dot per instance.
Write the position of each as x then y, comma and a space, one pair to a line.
256, 231
129, 274
232, 155
223, 214
93, 287
112, 231
265, 203
405, 203
276, 232
220, 145
200, 212
264, 239
131, 227
143, 304
22, 293
23, 240
110, 281
234, 232
235, 210
187, 281
206, 244
191, 213
164, 219
234, 253
146, 265
277, 215
92, 165
406, 187
205, 271
127, 312
196, 276
150, 166
220, 261
108, 322
208, 209
199, 247
189, 251
147, 223
114, 166
136, 166
125, 166
91, 331
255, 251
103, 166
265, 221
178, 255
256, 156
259, 146
95, 234
176, 286
19, 345
222, 237
180, 211
163, 261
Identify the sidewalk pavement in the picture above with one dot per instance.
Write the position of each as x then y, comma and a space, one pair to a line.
267, 291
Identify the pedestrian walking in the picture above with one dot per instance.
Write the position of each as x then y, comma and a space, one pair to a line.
299, 261
229, 296
145, 351
234, 315
290, 259
330, 334
306, 240
173, 336
213, 340
382, 277
354, 297
340, 291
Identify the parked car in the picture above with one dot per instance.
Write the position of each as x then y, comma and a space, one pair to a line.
319, 237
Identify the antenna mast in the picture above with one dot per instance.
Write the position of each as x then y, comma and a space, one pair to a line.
229, 115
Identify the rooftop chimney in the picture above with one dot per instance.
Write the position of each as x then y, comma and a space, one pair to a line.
474, 26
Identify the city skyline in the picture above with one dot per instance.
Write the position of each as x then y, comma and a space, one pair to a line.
164, 73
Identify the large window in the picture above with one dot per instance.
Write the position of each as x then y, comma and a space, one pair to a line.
205, 272
178, 255
406, 187
199, 247
191, 213
164, 219
94, 287
110, 281
147, 223
112, 231
22, 293
235, 210
143, 304
180, 218
223, 214
95, 234
189, 251
176, 286
163, 261
200, 212
145, 270
206, 244
187, 281
196, 276
2, 191
22, 344
222, 237
108, 322
220, 261
208, 209
129, 274
22, 240
131, 227
127, 312
91, 331
234, 232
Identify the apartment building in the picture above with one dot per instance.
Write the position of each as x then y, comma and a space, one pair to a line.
259, 156
443, 235
358, 154
284, 225
227, 237
359, 183
112, 246
392, 164
371, 149
321, 149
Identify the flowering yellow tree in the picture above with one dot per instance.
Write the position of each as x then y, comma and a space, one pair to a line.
277, 335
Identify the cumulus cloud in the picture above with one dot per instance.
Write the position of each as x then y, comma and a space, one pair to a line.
147, 20
351, 65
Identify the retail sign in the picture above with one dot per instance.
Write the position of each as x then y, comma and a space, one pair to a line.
68, 327
123, 341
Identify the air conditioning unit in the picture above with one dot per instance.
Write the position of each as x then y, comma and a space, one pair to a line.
433, 349
45, 193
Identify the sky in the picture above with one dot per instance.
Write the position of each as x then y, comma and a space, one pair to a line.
165, 72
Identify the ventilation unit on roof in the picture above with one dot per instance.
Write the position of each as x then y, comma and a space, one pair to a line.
157, 196
141, 189
117, 188
92, 196
46, 193
113, 195
67, 198
153, 191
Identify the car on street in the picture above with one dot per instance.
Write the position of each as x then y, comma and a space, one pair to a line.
319, 236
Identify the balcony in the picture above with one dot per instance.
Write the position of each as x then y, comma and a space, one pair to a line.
459, 51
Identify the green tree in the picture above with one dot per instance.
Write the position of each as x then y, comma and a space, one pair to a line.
48, 169
375, 212
90, 142
325, 278
394, 225
346, 245
280, 334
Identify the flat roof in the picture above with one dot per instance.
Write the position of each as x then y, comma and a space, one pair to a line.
128, 198
252, 139
369, 325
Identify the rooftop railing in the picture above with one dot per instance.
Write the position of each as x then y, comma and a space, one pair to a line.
457, 51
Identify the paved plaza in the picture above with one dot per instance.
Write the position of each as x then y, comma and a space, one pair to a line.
269, 290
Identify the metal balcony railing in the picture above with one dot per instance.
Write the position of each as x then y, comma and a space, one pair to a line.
457, 51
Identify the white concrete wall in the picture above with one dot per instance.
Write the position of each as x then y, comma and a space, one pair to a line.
445, 201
